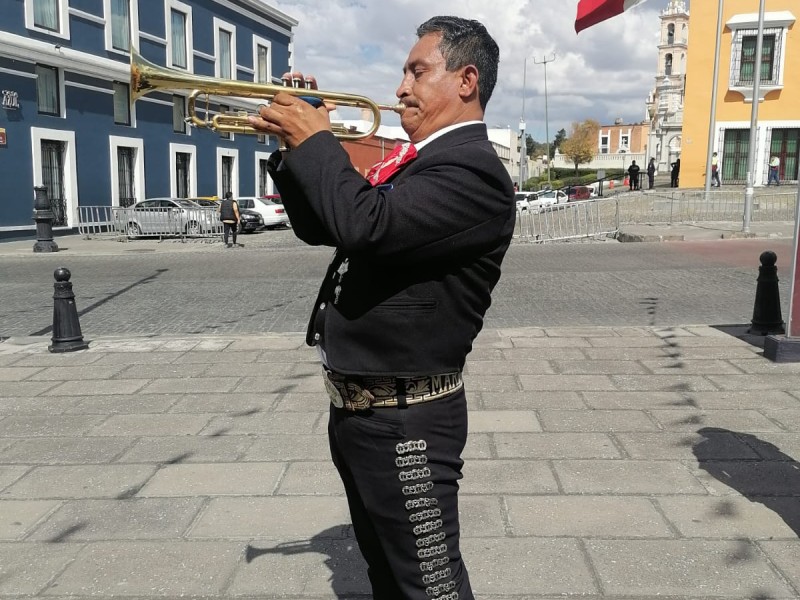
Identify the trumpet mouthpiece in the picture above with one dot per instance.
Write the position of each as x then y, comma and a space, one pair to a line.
396, 108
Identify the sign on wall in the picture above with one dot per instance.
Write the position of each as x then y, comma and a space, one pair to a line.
10, 99
2, 137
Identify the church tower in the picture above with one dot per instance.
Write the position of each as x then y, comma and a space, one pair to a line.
665, 102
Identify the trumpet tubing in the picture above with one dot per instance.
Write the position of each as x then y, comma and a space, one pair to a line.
147, 77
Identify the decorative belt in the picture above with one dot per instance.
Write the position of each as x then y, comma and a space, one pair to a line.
363, 392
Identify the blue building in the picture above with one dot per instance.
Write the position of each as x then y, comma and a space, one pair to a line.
66, 122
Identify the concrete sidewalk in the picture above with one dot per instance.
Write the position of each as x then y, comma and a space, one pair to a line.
602, 463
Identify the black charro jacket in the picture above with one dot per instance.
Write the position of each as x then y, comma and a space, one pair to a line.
416, 259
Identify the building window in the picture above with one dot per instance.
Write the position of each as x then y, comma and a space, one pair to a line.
668, 64
227, 175
183, 165
125, 175
53, 178
122, 104
224, 41
262, 67
222, 110
670, 34
263, 177
47, 90
785, 144
179, 114
178, 33
604, 144
624, 141
747, 58
261, 138
46, 14
120, 25
734, 155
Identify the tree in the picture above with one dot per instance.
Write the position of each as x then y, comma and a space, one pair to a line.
581, 146
557, 141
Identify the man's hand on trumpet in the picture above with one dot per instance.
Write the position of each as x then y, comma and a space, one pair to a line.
291, 118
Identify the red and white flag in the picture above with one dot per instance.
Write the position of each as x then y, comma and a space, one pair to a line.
592, 12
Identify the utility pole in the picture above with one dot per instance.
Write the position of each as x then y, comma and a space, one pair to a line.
544, 61
751, 150
522, 144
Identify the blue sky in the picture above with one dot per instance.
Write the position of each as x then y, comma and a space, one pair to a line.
604, 73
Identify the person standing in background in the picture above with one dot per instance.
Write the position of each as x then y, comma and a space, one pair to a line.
651, 173
774, 170
675, 173
715, 170
229, 215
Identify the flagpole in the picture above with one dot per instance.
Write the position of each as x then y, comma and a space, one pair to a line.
751, 150
712, 122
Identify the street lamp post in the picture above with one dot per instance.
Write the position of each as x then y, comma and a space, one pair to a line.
544, 61
523, 147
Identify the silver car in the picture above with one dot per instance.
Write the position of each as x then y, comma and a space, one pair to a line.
164, 216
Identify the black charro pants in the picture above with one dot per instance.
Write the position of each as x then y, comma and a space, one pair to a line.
400, 468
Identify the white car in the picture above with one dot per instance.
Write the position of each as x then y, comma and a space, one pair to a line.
524, 199
553, 197
269, 207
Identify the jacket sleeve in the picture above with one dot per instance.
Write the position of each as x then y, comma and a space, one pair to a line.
445, 203
306, 225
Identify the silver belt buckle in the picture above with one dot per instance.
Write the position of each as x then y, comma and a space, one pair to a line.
333, 392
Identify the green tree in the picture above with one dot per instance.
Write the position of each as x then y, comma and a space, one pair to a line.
581, 146
557, 141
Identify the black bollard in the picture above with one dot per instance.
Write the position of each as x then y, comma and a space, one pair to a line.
44, 217
67, 336
767, 308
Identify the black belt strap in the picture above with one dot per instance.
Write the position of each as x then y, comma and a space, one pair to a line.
401, 393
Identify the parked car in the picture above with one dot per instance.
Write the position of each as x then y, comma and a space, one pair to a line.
250, 221
555, 196
273, 213
523, 200
579, 192
163, 216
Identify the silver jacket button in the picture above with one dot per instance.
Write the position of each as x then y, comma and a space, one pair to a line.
316, 337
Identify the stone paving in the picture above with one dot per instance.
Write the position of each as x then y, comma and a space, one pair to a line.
602, 462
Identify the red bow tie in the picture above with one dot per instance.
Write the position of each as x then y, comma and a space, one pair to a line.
399, 156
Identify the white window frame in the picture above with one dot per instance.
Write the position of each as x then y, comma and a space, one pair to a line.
173, 184
134, 33
772, 20
259, 156
70, 166
259, 41
627, 145
62, 97
63, 20
114, 142
219, 24
234, 153
169, 5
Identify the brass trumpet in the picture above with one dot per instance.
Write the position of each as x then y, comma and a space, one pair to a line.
147, 77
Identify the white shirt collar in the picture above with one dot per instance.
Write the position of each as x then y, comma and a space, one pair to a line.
420, 145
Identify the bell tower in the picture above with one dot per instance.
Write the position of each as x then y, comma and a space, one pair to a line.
665, 102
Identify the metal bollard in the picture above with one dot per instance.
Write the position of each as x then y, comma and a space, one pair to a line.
44, 217
67, 336
767, 308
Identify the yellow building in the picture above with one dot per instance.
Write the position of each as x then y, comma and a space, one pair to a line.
779, 111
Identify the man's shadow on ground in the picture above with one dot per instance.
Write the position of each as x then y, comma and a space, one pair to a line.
348, 570
771, 477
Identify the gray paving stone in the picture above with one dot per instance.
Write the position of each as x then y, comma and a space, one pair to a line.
555, 445
27, 388
681, 568
503, 420
756, 382
479, 445
546, 342
632, 477
229, 402
626, 342
288, 518
268, 342
507, 477
683, 446
124, 520
693, 419
133, 404
555, 383
79, 481
187, 449
552, 353
64, 359
585, 517
682, 365
239, 357
18, 517
788, 418
151, 424
64, 450
595, 420
274, 385
481, 516
479, 354
303, 402
190, 385
638, 400
751, 478
214, 479
491, 383
761, 367
79, 373
317, 478
149, 567
140, 358
731, 517
30, 426
25, 569
516, 566
786, 556
480, 368
263, 423
97, 387
581, 332
665, 383
18, 373
772, 445
35, 405
285, 447
597, 367
164, 371
530, 400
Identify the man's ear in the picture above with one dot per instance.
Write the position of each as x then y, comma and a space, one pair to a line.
469, 82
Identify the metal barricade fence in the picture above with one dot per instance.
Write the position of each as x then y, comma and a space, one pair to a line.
157, 222
572, 221
94, 221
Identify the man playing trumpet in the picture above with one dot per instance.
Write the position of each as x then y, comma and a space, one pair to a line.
419, 244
